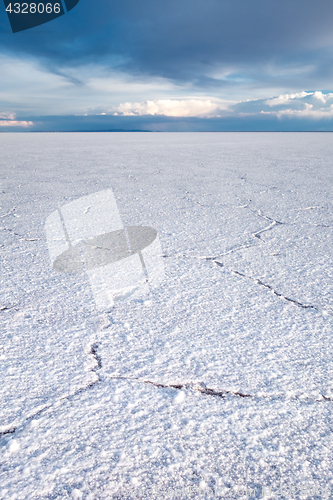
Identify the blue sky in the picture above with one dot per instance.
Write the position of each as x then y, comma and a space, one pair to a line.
171, 65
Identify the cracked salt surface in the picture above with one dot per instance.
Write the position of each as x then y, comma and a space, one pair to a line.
219, 380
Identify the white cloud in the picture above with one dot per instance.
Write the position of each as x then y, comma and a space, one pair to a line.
307, 112
8, 120
28, 89
320, 96
314, 105
15, 123
172, 107
287, 98
7, 116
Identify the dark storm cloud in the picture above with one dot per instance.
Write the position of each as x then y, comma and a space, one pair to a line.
186, 40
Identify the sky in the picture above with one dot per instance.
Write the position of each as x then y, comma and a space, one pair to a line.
171, 65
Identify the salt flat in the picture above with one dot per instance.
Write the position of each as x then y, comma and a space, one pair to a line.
216, 384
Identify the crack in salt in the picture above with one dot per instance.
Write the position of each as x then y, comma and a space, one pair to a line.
278, 294
273, 223
14, 429
201, 387
98, 366
256, 234
12, 212
254, 280
8, 308
223, 393
93, 351
22, 238
268, 228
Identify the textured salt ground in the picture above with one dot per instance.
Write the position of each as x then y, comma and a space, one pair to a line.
239, 216
124, 439
222, 339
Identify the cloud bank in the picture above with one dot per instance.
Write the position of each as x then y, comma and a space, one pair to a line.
313, 105
15, 123
304, 110
8, 120
171, 107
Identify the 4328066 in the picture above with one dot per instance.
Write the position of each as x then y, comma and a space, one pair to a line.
33, 8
